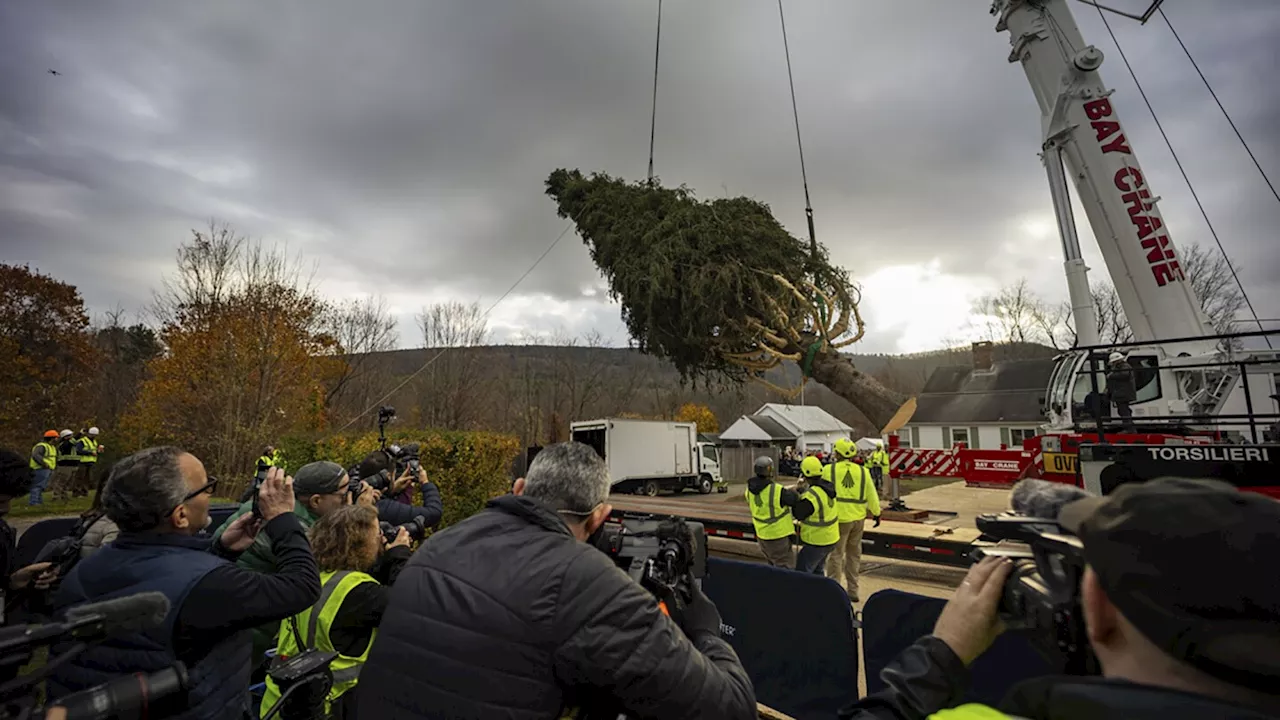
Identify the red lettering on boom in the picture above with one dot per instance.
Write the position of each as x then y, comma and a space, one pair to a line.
1126, 173
1135, 201
1098, 109
1105, 128
1120, 144
1146, 225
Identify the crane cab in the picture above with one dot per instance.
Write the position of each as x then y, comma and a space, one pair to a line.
1077, 392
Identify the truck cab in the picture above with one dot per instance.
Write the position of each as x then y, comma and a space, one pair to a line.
709, 468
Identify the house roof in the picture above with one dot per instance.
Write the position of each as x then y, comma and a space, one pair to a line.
803, 419
754, 427
1009, 392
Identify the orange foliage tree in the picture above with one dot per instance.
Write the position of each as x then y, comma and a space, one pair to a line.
246, 359
701, 415
46, 357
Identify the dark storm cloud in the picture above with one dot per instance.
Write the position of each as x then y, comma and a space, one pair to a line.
403, 145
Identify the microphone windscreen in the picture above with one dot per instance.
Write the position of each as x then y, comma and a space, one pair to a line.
1042, 498
129, 614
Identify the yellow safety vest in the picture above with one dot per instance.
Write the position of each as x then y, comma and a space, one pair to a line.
971, 711
771, 519
277, 459
314, 623
70, 457
854, 491
821, 528
50, 459
90, 454
880, 458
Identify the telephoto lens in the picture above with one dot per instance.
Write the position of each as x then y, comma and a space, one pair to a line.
159, 694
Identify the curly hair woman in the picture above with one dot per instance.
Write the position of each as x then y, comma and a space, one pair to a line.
350, 550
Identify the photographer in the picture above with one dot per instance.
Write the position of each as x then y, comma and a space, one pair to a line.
347, 544
319, 488
160, 499
511, 613
1182, 618
15, 481
395, 498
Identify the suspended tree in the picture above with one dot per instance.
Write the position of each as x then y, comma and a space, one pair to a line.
719, 288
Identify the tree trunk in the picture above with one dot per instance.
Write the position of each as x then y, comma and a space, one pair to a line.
876, 401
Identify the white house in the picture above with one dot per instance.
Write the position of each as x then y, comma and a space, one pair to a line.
814, 428
986, 405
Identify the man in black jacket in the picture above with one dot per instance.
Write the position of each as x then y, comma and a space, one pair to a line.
1182, 619
511, 614
160, 500
1122, 388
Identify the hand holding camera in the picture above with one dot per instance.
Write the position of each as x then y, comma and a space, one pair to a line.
368, 495
275, 497
970, 622
402, 538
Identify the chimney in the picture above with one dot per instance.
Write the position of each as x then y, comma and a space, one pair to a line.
983, 355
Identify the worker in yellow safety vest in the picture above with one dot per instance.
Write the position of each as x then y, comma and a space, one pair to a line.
855, 497
87, 449
44, 460
878, 462
771, 505
818, 517
344, 539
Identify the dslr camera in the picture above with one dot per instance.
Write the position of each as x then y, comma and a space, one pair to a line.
1041, 597
662, 554
417, 529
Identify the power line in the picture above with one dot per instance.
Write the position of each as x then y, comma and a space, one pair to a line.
1213, 232
483, 316
653, 113
1225, 114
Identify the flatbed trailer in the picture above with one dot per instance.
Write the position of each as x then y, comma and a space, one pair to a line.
899, 540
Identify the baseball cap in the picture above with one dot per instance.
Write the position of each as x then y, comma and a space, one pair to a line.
318, 478
1186, 562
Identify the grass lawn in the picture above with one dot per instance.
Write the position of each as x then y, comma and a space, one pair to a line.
906, 486
55, 507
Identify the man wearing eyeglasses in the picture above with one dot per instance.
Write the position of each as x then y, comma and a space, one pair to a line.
511, 613
159, 498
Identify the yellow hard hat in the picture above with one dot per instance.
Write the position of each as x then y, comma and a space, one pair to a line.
846, 448
811, 467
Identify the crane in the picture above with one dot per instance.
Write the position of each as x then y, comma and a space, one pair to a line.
1083, 137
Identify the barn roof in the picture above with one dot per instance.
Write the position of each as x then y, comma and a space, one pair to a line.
1009, 392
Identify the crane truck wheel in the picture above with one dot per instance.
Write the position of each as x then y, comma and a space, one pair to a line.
650, 488
704, 485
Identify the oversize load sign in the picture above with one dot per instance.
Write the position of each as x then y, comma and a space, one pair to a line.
1060, 463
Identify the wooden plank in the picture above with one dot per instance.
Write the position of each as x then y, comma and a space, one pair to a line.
767, 713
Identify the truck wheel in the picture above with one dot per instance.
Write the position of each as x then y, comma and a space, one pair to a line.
704, 485
650, 488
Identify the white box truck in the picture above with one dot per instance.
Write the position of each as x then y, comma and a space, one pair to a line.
651, 456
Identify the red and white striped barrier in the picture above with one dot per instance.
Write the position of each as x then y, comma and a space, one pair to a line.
907, 462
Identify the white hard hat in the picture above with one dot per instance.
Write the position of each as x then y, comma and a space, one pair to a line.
1115, 357
93, 431
65, 433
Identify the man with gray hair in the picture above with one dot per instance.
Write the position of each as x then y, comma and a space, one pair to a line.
512, 614
159, 498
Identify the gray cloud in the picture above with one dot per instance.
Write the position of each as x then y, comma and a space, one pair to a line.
402, 145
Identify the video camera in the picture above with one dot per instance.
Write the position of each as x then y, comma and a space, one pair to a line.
161, 693
304, 680
1042, 595
660, 553
417, 529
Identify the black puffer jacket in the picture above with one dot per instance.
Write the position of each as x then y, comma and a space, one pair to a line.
507, 615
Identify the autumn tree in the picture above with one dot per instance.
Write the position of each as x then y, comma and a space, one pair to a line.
360, 329
247, 358
46, 358
700, 415
719, 288
124, 352
449, 390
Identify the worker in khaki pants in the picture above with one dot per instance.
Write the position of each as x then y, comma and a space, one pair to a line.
855, 497
770, 504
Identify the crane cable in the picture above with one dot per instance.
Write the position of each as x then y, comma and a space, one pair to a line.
1213, 232
653, 112
1225, 114
795, 114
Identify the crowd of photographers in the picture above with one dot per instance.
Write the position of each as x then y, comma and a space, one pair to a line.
512, 613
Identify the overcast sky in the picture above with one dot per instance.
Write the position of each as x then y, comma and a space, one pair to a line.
402, 145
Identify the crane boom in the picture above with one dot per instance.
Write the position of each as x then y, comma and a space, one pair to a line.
1082, 132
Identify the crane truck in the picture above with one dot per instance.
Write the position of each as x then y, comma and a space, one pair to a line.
1192, 386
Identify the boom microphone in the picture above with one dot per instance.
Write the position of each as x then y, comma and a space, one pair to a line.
129, 614
1043, 499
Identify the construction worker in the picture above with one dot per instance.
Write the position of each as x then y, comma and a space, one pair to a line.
277, 459
68, 460
771, 505
44, 460
878, 462
266, 461
819, 517
855, 497
88, 449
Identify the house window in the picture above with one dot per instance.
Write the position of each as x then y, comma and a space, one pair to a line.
904, 438
1014, 437
959, 435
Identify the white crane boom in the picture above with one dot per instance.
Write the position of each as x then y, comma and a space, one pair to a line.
1082, 130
